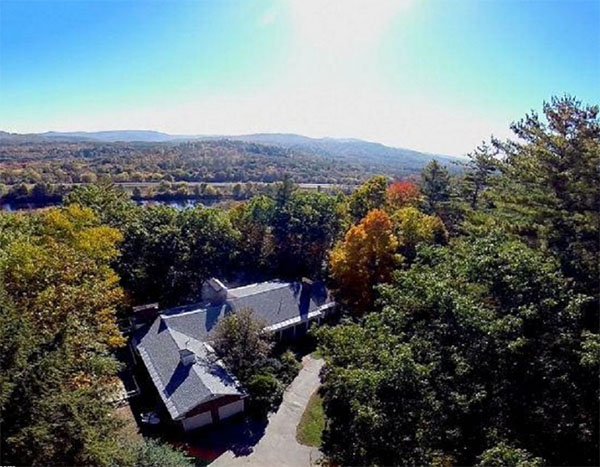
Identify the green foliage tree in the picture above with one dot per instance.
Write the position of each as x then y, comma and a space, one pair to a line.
370, 195
288, 236
478, 344
151, 453
503, 455
549, 191
110, 203
413, 228
256, 243
480, 170
435, 186
265, 392
242, 343
58, 323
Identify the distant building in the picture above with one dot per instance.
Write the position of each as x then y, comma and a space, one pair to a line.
194, 385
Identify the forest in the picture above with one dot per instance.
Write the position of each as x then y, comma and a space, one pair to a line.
469, 301
32, 161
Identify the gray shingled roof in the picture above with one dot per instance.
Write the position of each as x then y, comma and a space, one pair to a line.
184, 387
275, 302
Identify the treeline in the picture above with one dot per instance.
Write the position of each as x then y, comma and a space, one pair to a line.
205, 161
484, 350
166, 253
46, 193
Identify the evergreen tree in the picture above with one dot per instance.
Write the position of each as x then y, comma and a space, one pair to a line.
435, 186
549, 191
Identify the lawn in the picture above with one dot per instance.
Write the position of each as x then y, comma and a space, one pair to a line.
312, 423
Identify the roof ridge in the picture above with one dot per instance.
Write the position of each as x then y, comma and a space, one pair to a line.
279, 286
182, 313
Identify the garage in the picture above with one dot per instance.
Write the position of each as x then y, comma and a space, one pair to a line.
197, 421
229, 410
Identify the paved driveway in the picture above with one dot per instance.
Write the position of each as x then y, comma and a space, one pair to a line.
278, 447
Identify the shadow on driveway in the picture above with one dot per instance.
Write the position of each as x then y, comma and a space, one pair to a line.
238, 435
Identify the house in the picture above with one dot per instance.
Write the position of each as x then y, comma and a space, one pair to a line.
192, 382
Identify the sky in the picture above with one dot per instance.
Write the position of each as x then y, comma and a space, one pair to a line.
436, 76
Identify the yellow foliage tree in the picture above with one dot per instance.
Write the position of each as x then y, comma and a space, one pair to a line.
412, 227
366, 257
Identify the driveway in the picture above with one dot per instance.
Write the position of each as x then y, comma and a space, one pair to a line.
278, 447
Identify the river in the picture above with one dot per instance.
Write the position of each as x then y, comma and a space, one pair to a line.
179, 204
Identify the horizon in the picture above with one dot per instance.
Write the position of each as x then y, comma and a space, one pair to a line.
436, 77
192, 136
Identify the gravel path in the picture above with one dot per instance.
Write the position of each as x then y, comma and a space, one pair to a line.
278, 447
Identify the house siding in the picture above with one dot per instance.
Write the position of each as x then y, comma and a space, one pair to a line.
214, 408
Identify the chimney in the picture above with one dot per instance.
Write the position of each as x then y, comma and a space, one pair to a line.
214, 291
186, 356
305, 293
144, 314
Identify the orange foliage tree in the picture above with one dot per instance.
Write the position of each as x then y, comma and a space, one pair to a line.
402, 194
366, 257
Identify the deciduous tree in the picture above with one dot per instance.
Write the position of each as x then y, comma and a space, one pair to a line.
402, 194
370, 195
365, 257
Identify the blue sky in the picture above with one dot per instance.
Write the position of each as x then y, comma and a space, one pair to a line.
437, 76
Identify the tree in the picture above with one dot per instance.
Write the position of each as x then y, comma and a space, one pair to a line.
14, 338
206, 249
57, 282
549, 191
265, 391
477, 344
480, 169
402, 194
413, 228
166, 254
255, 242
365, 258
242, 343
288, 236
284, 191
313, 223
370, 195
435, 186
503, 454
151, 453
110, 203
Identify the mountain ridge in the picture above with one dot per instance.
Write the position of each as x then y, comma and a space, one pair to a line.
154, 136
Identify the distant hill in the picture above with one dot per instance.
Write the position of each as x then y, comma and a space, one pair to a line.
352, 150
126, 136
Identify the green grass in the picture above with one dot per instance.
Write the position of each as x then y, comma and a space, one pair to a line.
312, 423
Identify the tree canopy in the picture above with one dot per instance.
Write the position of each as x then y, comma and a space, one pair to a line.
484, 350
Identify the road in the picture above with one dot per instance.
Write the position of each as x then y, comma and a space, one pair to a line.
278, 447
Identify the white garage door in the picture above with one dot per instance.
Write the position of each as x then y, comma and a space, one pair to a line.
231, 409
197, 421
